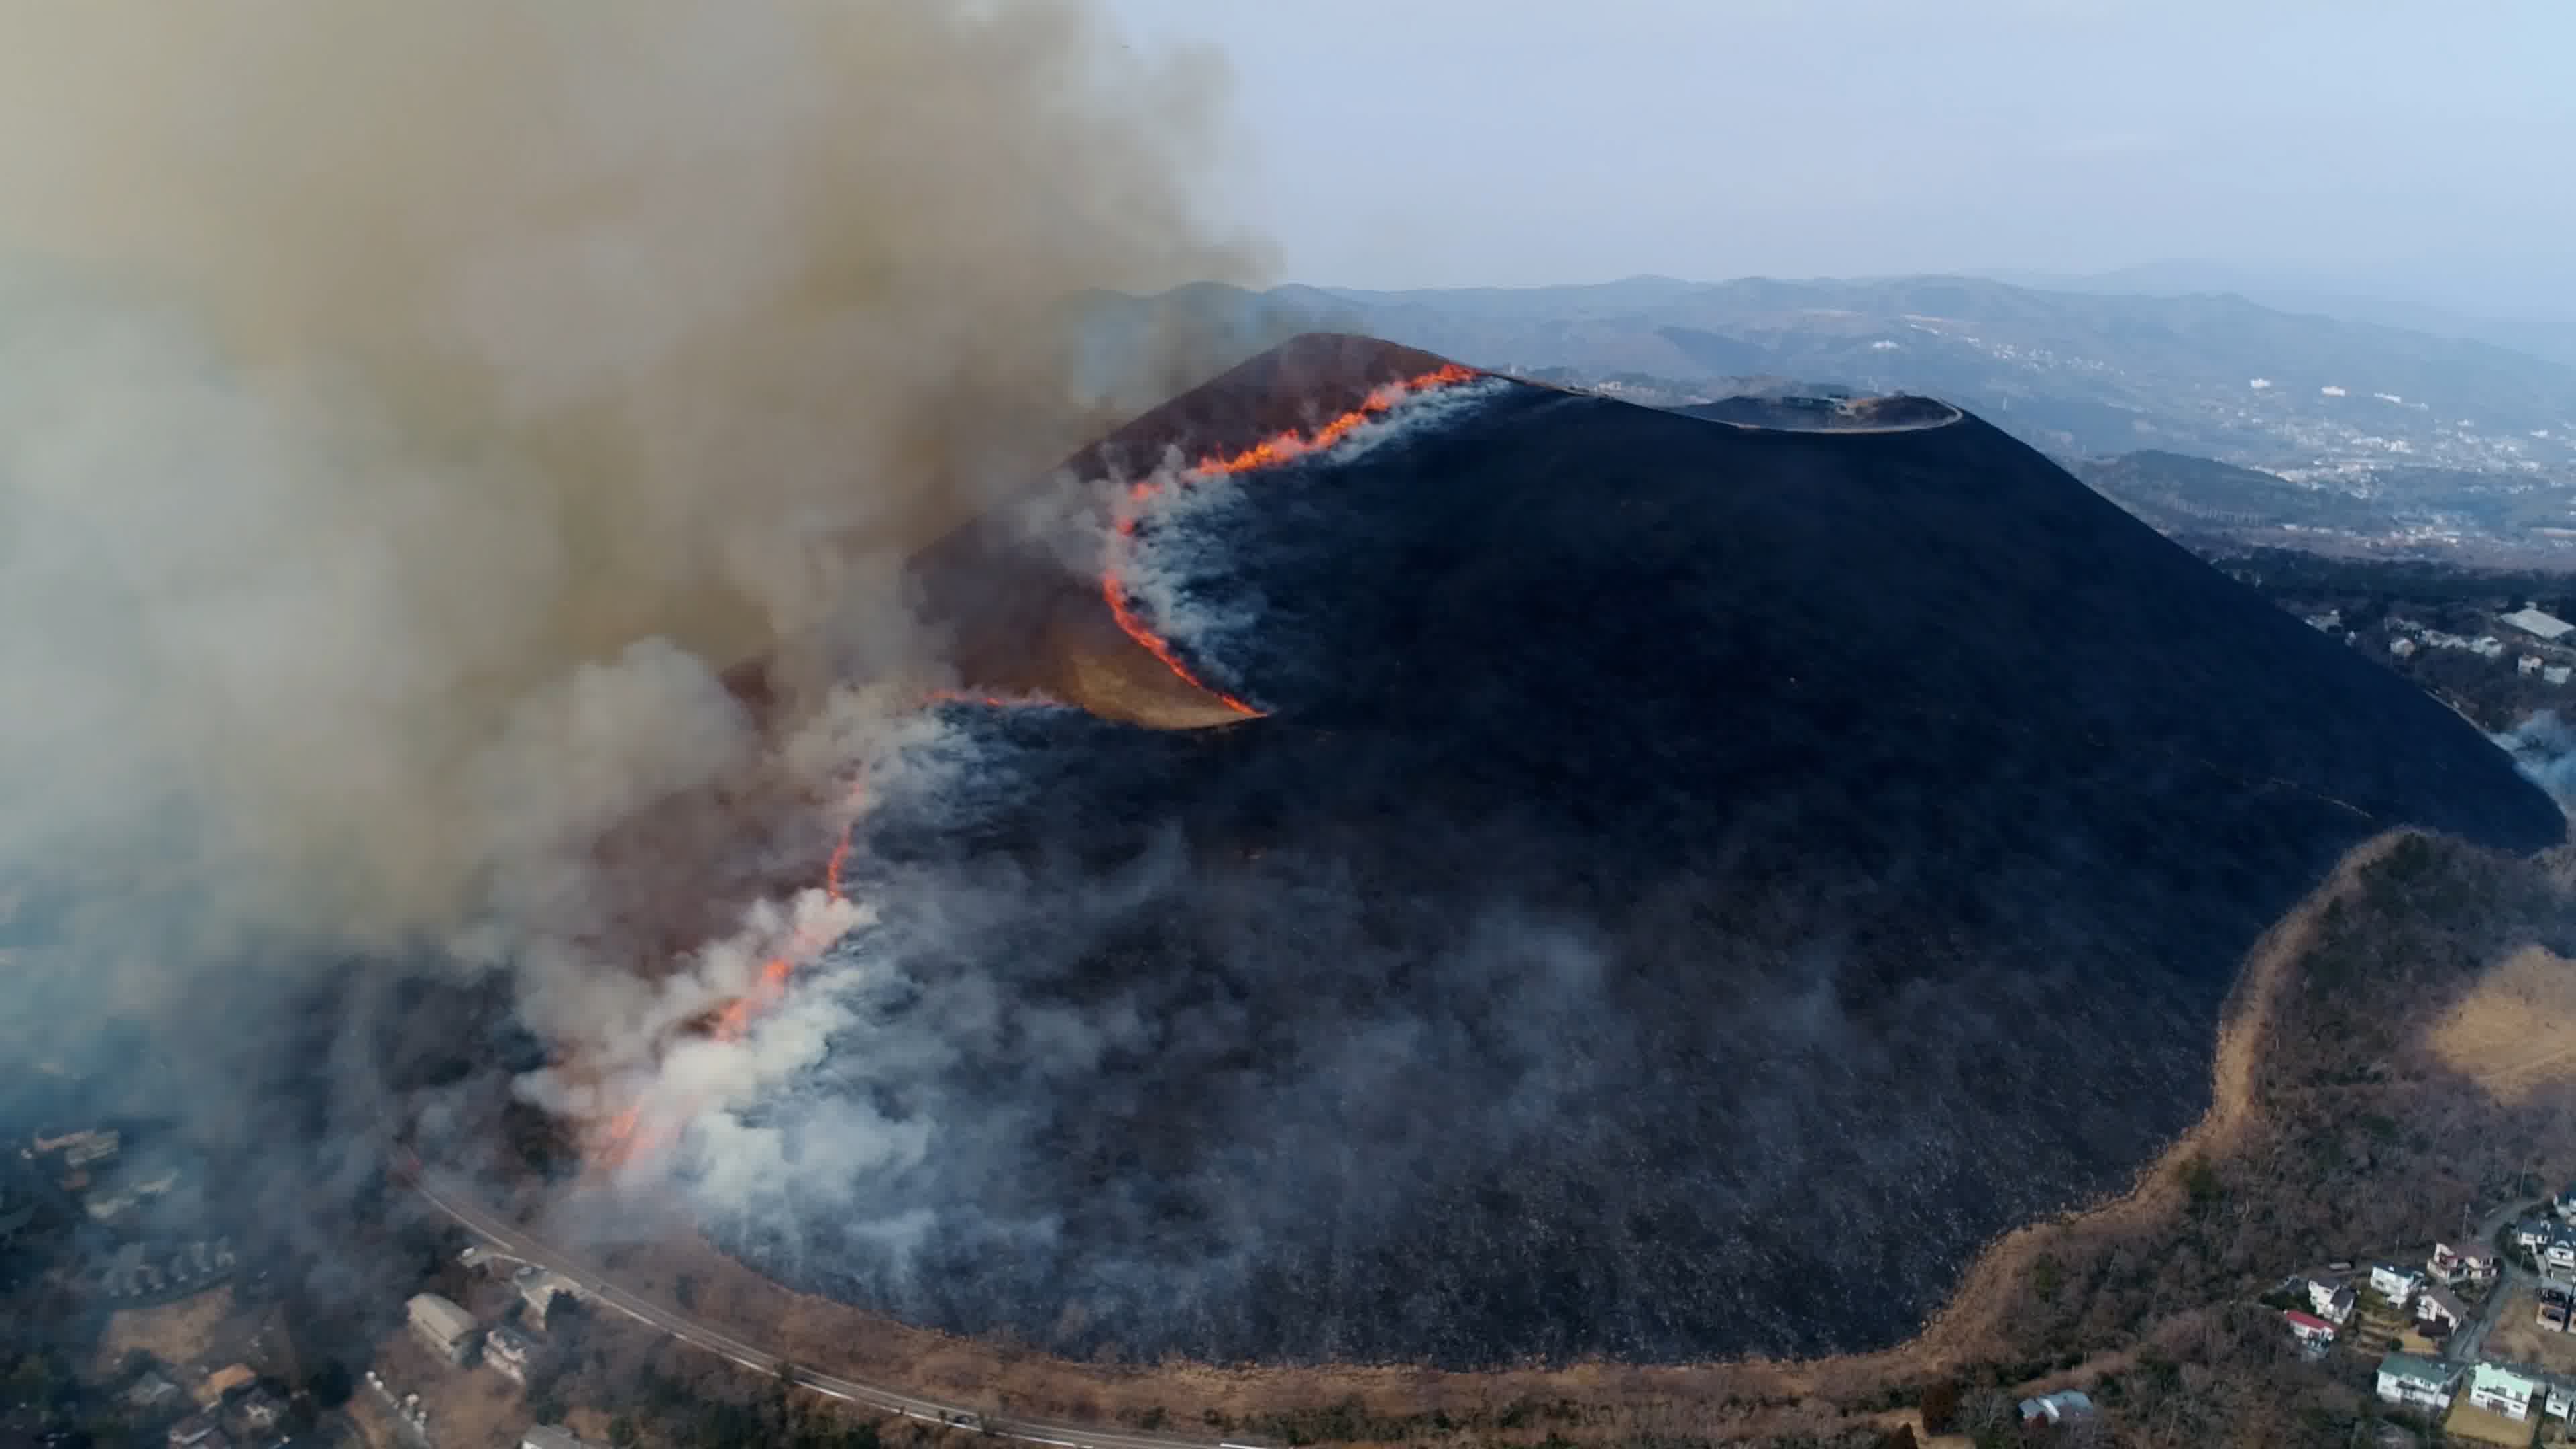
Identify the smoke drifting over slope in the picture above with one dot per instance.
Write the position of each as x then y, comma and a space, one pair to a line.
407, 410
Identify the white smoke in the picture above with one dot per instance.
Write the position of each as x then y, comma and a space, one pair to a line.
409, 413
2544, 749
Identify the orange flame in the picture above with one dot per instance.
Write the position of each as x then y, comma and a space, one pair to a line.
1270, 452
630, 1135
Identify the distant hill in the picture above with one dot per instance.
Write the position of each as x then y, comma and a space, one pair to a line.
2514, 313
2069, 372
2180, 494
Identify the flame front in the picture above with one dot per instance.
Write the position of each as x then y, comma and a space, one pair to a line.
632, 1134
1270, 452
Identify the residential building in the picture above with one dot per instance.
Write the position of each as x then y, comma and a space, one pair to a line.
2394, 1283
2559, 1395
2565, 1203
540, 1289
2056, 1408
2550, 1315
2465, 1264
197, 1432
2332, 1302
552, 1436
151, 1391
223, 1381
2440, 1306
2559, 1252
2501, 1390
2308, 1328
443, 1326
507, 1349
260, 1410
2556, 674
2532, 621
2531, 1234
2421, 1383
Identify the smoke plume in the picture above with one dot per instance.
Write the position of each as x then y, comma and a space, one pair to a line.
408, 411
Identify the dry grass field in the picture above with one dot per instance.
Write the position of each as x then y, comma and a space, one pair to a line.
469, 1408
2515, 1034
179, 1333
2517, 1338
2468, 1421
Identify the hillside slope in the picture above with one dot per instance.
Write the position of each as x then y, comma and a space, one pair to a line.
1695, 885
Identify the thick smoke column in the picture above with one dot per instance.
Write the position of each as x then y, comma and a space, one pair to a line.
407, 410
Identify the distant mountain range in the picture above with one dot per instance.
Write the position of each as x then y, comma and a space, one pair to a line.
2505, 315
2071, 372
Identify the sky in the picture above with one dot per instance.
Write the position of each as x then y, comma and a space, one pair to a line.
2420, 145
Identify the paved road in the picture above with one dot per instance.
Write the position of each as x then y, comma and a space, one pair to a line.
452, 1200
2465, 1345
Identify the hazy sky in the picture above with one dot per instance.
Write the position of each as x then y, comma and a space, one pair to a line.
1463, 142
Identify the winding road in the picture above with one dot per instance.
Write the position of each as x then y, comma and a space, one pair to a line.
596, 1287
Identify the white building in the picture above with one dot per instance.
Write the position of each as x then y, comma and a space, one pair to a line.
2437, 1304
541, 1289
2467, 1264
443, 1326
2500, 1390
2394, 1283
2421, 1383
2532, 621
511, 1352
2057, 1408
2333, 1302
552, 1436
2309, 1329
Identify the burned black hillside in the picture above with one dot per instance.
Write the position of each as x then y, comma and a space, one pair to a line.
1697, 884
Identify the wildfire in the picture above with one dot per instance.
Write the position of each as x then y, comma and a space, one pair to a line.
1270, 452
631, 1134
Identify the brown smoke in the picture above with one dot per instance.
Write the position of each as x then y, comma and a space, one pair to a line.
517, 335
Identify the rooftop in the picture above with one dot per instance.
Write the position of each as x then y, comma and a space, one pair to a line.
2418, 1370
2497, 1379
2533, 621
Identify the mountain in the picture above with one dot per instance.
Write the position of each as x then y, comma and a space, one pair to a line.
1686, 883
2512, 309
2070, 372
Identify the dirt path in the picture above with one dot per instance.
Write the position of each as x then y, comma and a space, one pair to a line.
1966, 1327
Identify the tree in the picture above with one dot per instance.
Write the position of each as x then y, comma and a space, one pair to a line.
1940, 1407
621, 1431
330, 1384
1988, 1416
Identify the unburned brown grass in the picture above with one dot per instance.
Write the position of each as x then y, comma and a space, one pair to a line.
2515, 1032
